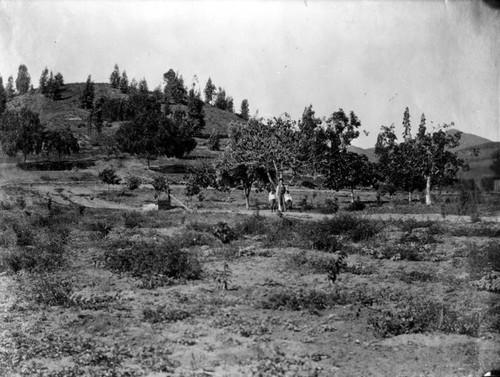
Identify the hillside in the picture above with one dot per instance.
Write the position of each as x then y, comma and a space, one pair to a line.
67, 111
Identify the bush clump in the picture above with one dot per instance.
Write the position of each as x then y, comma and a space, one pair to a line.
224, 233
142, 259
133, 219
422, 315
485, 259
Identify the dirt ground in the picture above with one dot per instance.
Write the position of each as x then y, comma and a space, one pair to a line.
193, 328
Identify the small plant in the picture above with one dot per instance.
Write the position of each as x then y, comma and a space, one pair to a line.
133, 219
161, 186
102, 227
46, 288
357, 205
331, 206
141, 259
214, 141
159, 314
223, 277
133, 182
109, 177
224, 233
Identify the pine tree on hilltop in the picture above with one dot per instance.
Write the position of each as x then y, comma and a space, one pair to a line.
143, 86
114, 79
245, 111
23, 80
43, 81
209, 91
9, 89
87, 98
124, 82
3, 97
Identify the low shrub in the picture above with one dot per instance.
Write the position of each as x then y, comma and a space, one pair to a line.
318, 235
490, 232
302, 299
484, 259
24, 233
133, 182
190, 238
252, 225
41, 258
161, 314
224, 233
420, 315
330, 206
142, 259
45, 288
133, 219
357, 205
101, 227
412, 276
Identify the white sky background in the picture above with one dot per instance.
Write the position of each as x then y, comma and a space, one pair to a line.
372, 57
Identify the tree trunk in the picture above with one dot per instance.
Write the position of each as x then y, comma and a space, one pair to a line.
428, 200
409, 196
352, 195
247, 197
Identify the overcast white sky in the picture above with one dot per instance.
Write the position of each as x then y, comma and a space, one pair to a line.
372, 57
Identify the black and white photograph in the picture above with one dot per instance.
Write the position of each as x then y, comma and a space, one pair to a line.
249, 188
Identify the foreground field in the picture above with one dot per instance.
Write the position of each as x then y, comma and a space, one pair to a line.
95, 287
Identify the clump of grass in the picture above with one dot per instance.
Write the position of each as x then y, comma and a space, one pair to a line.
142, 259
413, 276
420, 315
224, 233
301, 300
161, 314
484, 259
102, 227
330, 206
50, 289
190, 238
489, 232
252, 225
133, 219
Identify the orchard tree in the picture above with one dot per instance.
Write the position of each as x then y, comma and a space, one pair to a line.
3, 97
421, 161
87, 98
399, 163
245, 110
9, 89
209, 91
23, 80
311, 142
114, 78
341, 168
21, 131
263, 149
439, 165
61, 142
153, 133
109, 177
495, 166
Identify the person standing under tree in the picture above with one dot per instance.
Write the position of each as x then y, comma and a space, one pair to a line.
280, 193
272, 200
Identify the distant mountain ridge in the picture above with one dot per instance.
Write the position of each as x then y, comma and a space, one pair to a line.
468, 142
